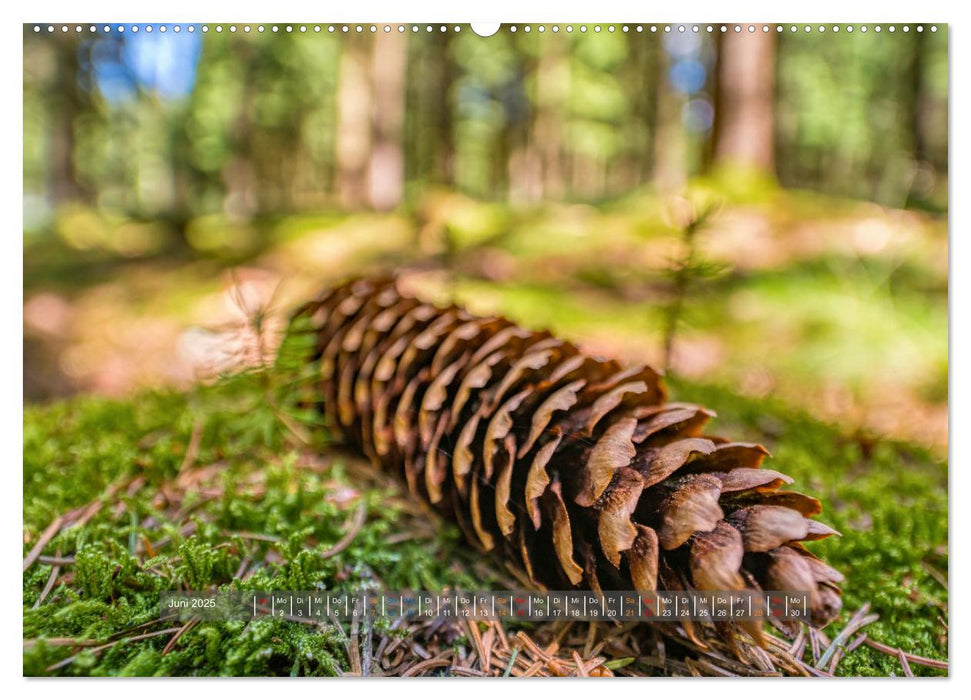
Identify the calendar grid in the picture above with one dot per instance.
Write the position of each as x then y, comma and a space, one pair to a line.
315, 606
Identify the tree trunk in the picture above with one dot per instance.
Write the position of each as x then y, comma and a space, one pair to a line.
641, 70
66, 104
386, 171
745, 100
353, 124
444, 136
918, 102
428, 127
245, 190
548, 122
525, 166
670, 148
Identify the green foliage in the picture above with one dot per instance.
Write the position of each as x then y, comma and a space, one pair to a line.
853, 135
260, 132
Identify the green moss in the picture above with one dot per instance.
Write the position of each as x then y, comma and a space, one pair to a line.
889, 500
75, 450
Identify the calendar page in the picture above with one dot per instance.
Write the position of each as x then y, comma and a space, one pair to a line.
510, 349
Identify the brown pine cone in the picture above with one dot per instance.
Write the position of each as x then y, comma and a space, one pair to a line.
571, 466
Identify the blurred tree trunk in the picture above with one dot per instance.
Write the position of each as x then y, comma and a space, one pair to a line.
670, 148
525, 166
67, 102
245, 189
354, 99
930, 117
429, 120
499, 167
443, 135
185, 178
509, 164
918, 102
512, 101
745, 100
386, 171
642, 70
552, 86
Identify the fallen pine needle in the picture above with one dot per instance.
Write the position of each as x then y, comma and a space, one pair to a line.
97, 650
45, 537
193, 621
911, 658
859, 620
49, 586
349, 536
903, 662
192, 451
512, 661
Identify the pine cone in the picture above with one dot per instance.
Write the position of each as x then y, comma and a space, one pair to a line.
572, 467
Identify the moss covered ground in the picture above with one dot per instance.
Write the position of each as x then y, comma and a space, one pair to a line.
216, 487
825, 329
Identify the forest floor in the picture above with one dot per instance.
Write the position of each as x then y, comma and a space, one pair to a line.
836, 306
820, 330
216, 487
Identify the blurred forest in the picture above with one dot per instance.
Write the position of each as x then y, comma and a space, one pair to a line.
550, 175
168, 127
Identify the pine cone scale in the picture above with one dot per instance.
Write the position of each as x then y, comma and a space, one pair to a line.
572, 467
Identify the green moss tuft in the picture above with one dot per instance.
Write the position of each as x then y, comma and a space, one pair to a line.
267, 519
